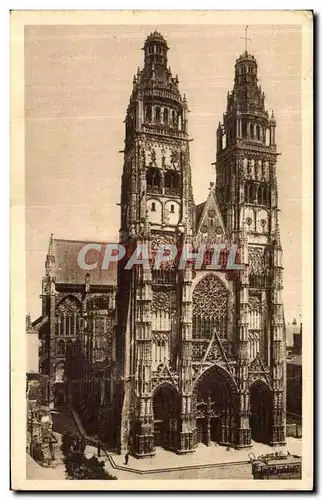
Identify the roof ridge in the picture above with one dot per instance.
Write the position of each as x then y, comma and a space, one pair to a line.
83, 241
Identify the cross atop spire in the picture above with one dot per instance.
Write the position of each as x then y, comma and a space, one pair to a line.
246, 39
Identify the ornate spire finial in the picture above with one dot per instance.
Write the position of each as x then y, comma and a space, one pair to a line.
246, 39
50, 258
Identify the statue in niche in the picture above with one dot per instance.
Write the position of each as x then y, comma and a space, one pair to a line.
153, 158
163, 157
174, 159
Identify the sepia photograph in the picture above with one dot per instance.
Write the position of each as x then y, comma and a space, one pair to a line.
162, 192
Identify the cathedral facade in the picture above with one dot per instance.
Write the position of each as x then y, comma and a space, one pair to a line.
186, 355
199, 353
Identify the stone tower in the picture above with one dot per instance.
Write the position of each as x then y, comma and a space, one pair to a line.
199, 353
247, 193
156, 208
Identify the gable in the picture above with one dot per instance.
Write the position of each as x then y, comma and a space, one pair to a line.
209, 219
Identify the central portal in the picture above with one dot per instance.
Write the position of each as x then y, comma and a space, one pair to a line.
214, 407
166, 415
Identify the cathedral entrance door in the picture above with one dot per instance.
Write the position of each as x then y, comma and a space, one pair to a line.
215, 429
260, 412
159, 433
201, 432
166, 412
214, 407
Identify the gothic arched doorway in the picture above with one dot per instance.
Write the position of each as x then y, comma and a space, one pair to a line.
260, 412
166, 415
214, 402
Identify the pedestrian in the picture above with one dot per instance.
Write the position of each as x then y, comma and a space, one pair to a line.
126, 458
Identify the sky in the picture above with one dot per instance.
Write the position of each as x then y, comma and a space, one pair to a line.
78, 80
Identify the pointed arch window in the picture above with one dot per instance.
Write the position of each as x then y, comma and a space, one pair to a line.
263, 195
173, 118
258, 132
260, 196
171, 181
251, 130
165, 115
254, 190
247, 193
68, 314
157, 114
153, 178
148, 113
244, 128
179, 122
266, 196
210, 308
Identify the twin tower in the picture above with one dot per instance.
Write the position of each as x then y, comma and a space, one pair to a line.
199, 354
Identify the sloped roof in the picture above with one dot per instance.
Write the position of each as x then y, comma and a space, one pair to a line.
198, 211
38, 323
67, 269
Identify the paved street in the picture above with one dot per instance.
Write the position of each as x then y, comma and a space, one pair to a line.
239, 471
202, 464
36, 471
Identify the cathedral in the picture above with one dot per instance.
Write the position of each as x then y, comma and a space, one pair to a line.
175, 357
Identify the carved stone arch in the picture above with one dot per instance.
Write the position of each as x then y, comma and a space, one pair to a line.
261, 410
214, 401
166, 411
165, 384
216, 369
201, 275
70, 301
261, 380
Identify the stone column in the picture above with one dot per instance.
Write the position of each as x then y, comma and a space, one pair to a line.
278, 361
142, 409
187, 434
52, 341
243, 434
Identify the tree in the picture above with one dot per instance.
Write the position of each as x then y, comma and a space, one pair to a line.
77, 466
